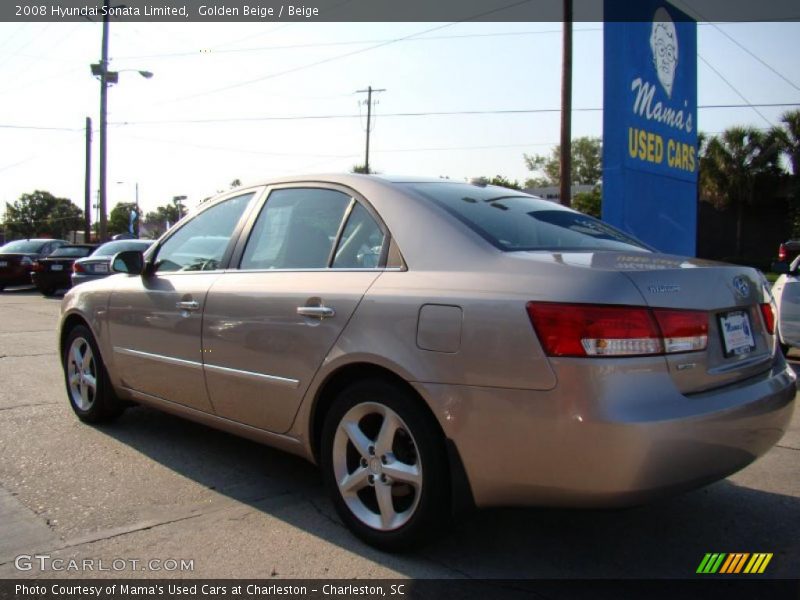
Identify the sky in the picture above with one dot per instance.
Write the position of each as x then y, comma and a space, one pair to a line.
255, 101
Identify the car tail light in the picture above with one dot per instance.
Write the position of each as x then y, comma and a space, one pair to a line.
25, 261
769, 317
682, 330
607, 330
37, 266
781, 253
78, 268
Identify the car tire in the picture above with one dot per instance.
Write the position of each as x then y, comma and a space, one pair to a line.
49, 292
385, 465
89, 390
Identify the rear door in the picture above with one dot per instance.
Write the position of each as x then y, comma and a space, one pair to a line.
155, 320
312, 254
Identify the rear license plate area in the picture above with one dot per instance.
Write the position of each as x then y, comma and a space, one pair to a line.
737, 334
56, 267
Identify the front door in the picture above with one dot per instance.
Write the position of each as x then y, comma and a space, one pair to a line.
155, 320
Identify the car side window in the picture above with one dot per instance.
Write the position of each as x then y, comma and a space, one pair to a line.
361, 243
296, 229
201, 243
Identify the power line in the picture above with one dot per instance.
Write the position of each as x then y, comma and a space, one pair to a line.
352, 43
759, 59
37, 127
345, 55
418, 114
736, 91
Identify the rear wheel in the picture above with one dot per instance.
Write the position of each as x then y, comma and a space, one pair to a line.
88, 388
385, 465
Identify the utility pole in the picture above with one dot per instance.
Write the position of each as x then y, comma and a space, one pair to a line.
368, 91
103, 123
87, 192
566, 107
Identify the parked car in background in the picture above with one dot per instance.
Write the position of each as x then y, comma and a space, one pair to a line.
786, 292
431, 344
788, 251
17, 258
54, 272
98, 264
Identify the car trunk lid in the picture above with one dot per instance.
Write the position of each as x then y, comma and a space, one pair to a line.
739, 343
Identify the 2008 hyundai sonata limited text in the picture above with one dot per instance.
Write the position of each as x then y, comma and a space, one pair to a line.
432, 344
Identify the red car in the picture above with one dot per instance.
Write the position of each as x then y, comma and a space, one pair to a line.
788, 251
17, 258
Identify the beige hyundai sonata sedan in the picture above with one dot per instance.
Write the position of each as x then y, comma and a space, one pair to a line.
433, 345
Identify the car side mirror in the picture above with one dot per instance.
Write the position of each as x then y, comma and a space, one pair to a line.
130, 262
781, 267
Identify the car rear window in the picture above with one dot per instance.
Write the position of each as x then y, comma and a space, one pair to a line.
512, 221
112, 248
22, 246
71, 251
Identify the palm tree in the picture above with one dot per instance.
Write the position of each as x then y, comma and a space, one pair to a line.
788, 137
737, 168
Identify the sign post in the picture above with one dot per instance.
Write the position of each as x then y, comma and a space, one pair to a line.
650, 161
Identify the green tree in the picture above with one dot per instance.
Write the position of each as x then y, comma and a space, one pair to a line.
587, 164
738, 167
589, 203
503, 182
158, 220
42, 214
119, 219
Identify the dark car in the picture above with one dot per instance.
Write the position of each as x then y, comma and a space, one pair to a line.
788, 251
98, 265
53, 272
17, 259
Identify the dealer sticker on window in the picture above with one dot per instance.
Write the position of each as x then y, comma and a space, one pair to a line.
737, 334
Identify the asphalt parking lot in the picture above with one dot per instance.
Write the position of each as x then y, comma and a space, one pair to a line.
151, 486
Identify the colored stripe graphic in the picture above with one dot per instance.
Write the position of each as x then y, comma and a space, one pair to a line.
733, 563
711, 563
758, 563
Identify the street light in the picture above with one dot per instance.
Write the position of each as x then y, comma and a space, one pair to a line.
106, 78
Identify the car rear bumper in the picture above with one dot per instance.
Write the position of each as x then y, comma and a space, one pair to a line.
48, 281
78, 278
15, 276
607, 440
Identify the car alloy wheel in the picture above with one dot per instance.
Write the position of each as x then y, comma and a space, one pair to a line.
377, 466
81, 374
385, 464
90, 393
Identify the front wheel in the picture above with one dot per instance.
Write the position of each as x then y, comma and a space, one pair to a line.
385, 464
88, 388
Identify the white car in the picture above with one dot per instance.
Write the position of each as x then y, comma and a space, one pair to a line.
786, 291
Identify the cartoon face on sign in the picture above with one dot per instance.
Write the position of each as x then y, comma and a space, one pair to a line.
664, 44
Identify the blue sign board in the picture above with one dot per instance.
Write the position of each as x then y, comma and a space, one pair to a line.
650, 160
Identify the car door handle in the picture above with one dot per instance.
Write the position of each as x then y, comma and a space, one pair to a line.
188, 305
319, 312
